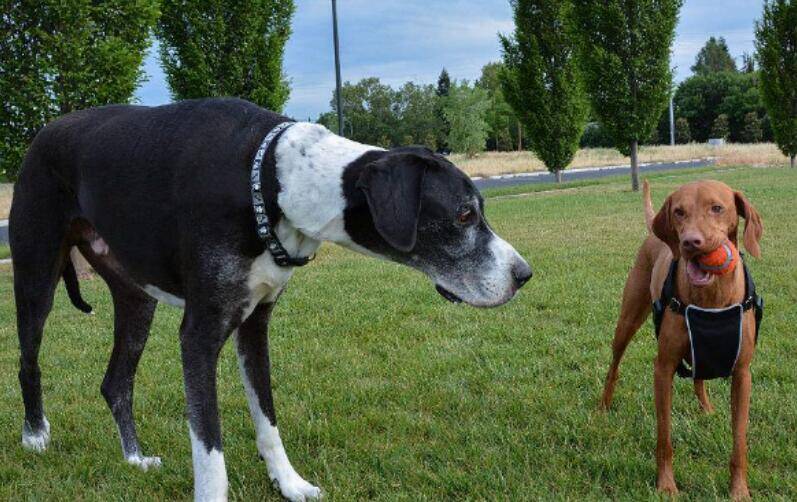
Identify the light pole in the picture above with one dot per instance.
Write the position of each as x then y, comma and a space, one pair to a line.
337, 67
672, 123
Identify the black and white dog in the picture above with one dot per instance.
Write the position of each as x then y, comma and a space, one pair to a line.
188, 204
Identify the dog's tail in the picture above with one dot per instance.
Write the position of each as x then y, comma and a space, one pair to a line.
73, 287
649, 213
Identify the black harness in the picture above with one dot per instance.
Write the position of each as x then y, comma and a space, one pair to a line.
265, 230
715, 335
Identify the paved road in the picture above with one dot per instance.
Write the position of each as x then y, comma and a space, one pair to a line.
511, 180
585, 174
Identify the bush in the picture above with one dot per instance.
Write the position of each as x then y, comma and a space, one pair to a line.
682, 134
720, 129
753, 131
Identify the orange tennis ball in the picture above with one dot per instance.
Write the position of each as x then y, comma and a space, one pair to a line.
720, 261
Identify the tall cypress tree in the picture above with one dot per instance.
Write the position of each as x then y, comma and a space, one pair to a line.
776, 43
443, 88
542, 83
624, 48
57, 56
226, 48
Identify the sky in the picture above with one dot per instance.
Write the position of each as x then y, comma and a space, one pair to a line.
401, 40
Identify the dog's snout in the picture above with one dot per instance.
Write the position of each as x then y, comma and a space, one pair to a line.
692, 241
521, 273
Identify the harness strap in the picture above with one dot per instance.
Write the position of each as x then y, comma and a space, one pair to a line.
669, 300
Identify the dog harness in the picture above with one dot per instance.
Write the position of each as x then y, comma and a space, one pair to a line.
264, 229
715, 335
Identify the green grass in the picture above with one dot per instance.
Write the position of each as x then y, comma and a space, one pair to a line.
385, 391
5, 251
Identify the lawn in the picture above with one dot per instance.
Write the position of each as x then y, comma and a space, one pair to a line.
385, 391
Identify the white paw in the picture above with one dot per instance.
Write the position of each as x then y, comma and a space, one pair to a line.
296, 489
36, 441
144, 463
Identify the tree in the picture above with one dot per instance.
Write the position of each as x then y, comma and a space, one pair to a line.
624, 48
443, 86
226, 48
701, 98
57, 56
748, 63
542, 83
465, 108
369, 108
417, 121
720, 129
776, 43
752, 132
682, 134
501, 118
714, 57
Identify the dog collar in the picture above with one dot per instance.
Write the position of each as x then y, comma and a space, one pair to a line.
264, 229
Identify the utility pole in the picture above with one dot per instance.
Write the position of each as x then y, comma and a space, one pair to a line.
338, 95
672, 123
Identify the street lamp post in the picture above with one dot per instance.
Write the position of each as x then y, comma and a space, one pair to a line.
338, 95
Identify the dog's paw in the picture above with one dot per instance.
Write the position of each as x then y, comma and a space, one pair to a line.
296, 489
667, 488
144, 463
740, 493
36, 440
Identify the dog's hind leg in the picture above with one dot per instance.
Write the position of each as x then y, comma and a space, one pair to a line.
635, 309
253, 361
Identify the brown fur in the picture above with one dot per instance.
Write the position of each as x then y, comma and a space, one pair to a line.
689, 214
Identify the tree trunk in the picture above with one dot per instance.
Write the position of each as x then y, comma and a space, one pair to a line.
558, 174
792, 161
634, 167
519, 137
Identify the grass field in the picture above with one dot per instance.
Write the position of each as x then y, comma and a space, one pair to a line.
385, 391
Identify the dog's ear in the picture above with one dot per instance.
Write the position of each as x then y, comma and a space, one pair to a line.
664, 230
753, 227
392, 187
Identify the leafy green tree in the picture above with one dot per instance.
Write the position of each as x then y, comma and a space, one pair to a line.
624, 48
776, 43
542, 82
682, 134
500, 116
57, 56
748, 63
701, 98
443, 86
714, 57
721, 127
226, 48
465, 108
369, 108
417, 121
753, 131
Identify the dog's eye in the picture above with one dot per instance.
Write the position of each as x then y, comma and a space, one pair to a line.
680, 213
716, 209
466, 215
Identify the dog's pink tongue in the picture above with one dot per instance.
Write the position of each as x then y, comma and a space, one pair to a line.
697, 275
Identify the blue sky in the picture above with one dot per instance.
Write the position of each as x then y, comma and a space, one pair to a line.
401, 40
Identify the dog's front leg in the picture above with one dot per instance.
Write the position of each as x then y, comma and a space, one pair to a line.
664, 372
740, 414
201, 339
253, 360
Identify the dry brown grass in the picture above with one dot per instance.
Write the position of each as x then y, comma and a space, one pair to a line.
6, 189
494, 163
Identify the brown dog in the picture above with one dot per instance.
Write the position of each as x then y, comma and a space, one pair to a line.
695, 219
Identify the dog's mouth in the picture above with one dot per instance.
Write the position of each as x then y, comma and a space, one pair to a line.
448, 295
697, 275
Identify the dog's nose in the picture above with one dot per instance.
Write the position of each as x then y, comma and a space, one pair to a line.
521, 272
692, 241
